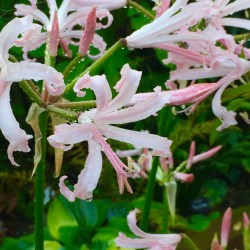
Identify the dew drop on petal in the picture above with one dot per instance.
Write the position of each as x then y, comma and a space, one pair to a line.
89, 199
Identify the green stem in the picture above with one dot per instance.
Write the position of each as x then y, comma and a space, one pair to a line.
76, 105
242, 36
29, 88
149, 193
165, 213
72, 65
69, 115
141, 9
39, 186
187, 243
119, 44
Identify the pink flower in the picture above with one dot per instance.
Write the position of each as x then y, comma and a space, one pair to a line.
146, 240
246, 221
200, 157
225, 227
94, 125
105, 4
166, 28
15, 72
225, 231
183, 177
69, 15
161, 6
162, 30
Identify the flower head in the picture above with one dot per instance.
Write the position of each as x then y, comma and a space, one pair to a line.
15, 72
94, 126
146, 240
60, 25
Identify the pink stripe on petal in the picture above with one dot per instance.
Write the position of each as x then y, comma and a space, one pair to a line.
225, 227
119, 166
89, 32
246, 221
183, 177
206, 155
54, 36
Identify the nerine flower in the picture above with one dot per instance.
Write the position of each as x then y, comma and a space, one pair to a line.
166, 28
94, 126
105, 4
217, 63
15, 72
162, 29
62, 22
146, 240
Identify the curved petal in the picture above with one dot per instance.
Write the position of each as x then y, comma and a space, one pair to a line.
26, 10
159, 144
184, 177
162, 239
123, 241
52, 8
139, 111
76, 18
126, 87
99, 85
106, 4
65, 134
64, 10
101, 14
206, 155
235, 7
10, 128
31, 40
33, 3
89, 176
227, 117
236, 22
10, 33
65, 191
31, 70
98, 43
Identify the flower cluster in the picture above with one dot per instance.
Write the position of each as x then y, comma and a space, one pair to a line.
194, 35
199, 46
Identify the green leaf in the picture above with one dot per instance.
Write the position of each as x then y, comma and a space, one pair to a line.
23, 243
52, 245
199, 222
59, 216
215, 190
86, 214
68, 234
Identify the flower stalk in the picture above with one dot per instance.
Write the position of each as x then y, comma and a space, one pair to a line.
39, 186
119, 44
141, 9
149, 193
